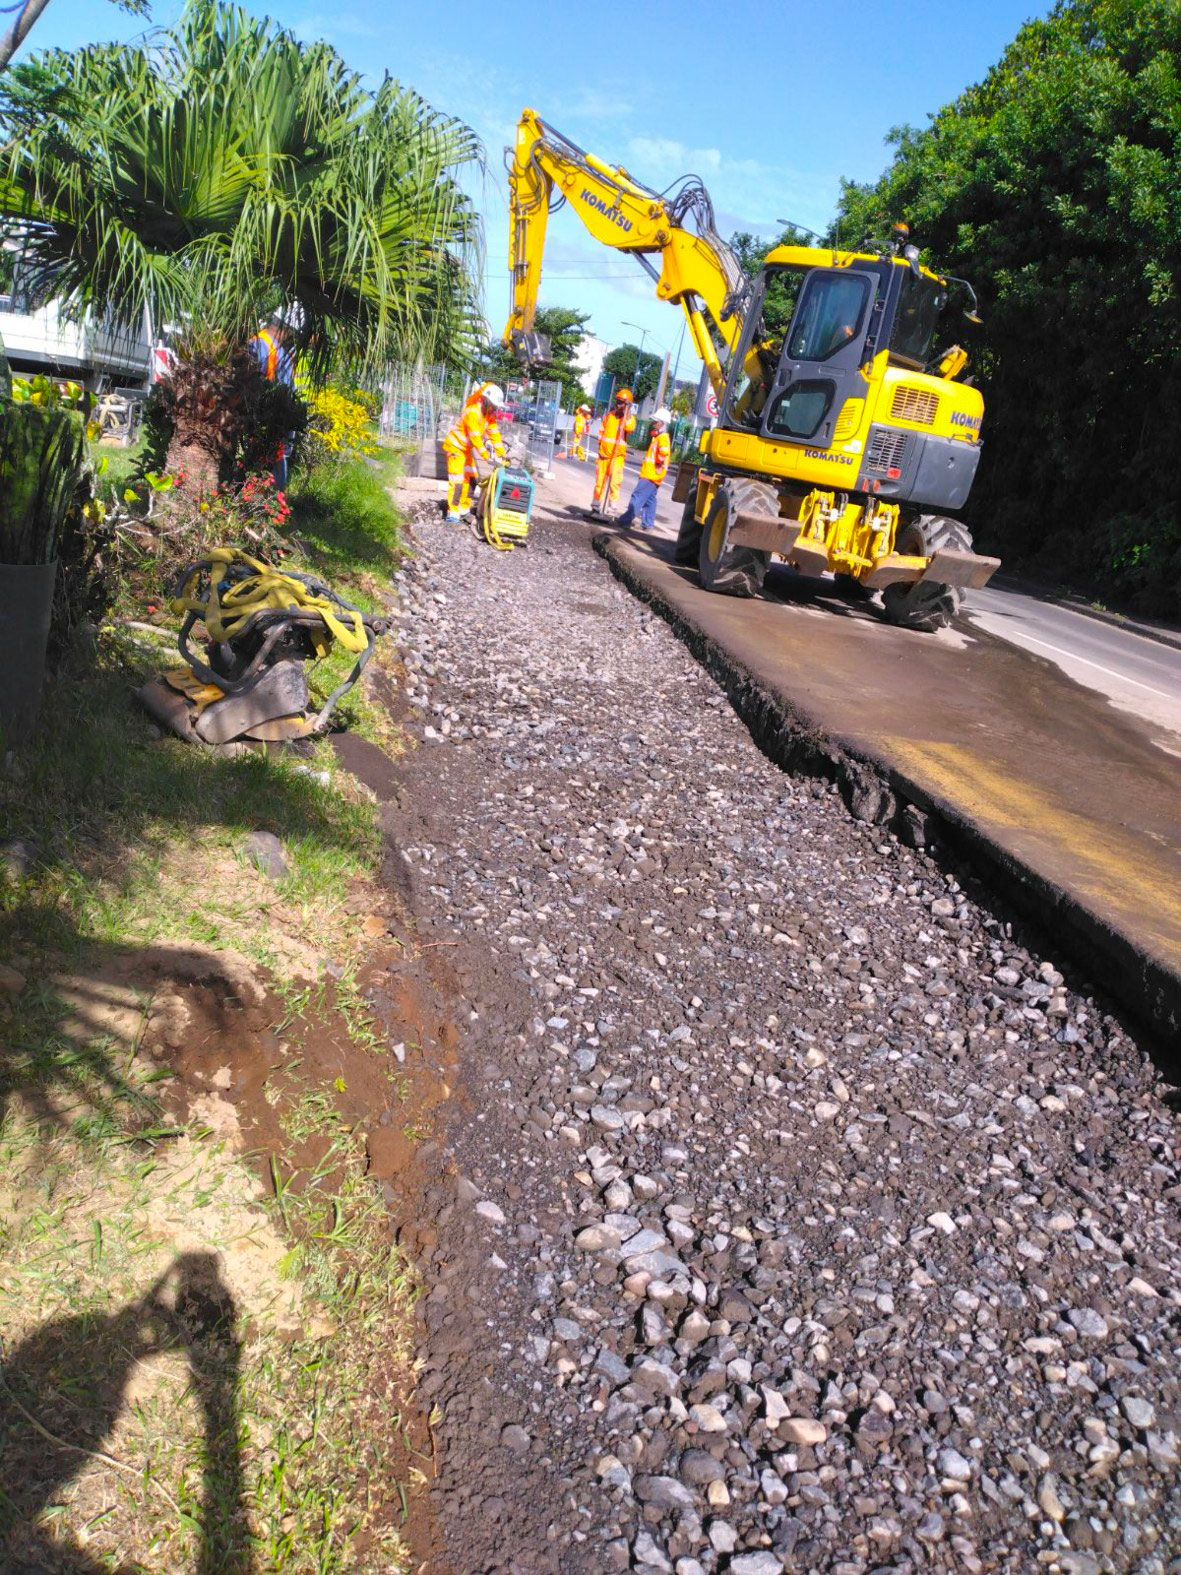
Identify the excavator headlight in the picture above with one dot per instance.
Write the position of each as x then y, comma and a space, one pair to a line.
911, 253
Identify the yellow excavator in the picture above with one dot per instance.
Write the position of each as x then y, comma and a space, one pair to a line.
839, 443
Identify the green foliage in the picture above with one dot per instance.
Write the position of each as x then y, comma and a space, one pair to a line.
224, 168
42, 455
780, 301
566, 330
1055, 185
630, 369
344, 513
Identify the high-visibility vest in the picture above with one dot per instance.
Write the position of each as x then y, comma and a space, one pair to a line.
581, 421
272, 366
655, 466
475, 433
609, 433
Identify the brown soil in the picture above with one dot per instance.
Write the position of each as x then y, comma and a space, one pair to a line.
241, 1061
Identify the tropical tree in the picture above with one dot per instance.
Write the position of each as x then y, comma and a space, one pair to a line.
1055, 185
27, 12
225, 171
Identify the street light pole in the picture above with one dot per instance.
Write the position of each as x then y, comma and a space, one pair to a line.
643, 333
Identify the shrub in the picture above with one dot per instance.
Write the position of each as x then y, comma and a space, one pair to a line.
338, 426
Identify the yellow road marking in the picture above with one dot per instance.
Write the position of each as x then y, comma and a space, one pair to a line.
1108, 866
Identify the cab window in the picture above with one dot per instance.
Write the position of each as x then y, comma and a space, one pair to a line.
829, 317
920, 303
800, 409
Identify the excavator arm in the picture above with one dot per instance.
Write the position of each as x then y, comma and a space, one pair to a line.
691, 267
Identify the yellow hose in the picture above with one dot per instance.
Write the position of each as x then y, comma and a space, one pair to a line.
264, 589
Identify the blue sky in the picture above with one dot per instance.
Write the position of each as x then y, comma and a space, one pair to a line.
771, 104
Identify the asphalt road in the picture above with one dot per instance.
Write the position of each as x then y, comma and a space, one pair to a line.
1072, 778
1136, 675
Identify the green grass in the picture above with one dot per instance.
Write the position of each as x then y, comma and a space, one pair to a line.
265, 1450
121, 466
346, 516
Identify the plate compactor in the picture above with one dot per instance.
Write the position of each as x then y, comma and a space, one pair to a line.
260, 628
504, 508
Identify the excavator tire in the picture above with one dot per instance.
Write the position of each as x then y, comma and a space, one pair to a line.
688, 547
734, 571
926, 605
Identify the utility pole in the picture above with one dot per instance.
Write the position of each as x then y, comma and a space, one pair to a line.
662, 386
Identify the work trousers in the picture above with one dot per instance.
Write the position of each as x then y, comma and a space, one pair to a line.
607, 485
642, 505
579, 449
461, 473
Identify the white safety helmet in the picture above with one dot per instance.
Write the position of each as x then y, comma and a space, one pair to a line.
664, 414
494, 396
290, 316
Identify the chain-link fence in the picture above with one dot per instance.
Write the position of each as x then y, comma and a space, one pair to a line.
684, 437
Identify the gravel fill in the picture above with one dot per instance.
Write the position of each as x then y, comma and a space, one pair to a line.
795, 1216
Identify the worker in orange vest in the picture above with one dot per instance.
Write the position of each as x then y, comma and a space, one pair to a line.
271, 348
581, 421
618, 425
474, 434
652, 472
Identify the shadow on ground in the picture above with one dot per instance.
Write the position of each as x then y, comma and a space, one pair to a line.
61, 1393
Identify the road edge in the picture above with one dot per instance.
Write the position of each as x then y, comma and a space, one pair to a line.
878, 791
1159, 634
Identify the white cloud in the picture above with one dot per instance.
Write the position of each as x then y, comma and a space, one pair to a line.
592, 104
748, 193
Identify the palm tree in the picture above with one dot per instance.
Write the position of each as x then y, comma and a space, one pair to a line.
222, 169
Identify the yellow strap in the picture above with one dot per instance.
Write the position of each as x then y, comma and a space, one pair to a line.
265, 588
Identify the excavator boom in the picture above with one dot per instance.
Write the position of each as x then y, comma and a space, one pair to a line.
697, 269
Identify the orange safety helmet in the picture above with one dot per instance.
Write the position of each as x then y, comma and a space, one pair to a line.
624, 394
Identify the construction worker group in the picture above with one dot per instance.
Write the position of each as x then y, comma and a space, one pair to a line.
615, 429
476, 436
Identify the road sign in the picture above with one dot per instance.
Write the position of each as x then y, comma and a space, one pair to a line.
711, 407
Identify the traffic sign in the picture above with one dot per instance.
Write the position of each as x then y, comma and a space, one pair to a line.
711, 407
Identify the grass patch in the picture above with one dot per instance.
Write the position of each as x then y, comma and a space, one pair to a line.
344, 513
216, 1362
222, 1408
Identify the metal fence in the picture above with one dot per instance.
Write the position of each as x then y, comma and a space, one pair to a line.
414, 400
544, 430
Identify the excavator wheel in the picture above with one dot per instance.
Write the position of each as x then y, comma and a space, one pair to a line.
688, 548
926, 605
734, 571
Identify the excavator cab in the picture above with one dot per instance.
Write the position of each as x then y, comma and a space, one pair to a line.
844, 399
